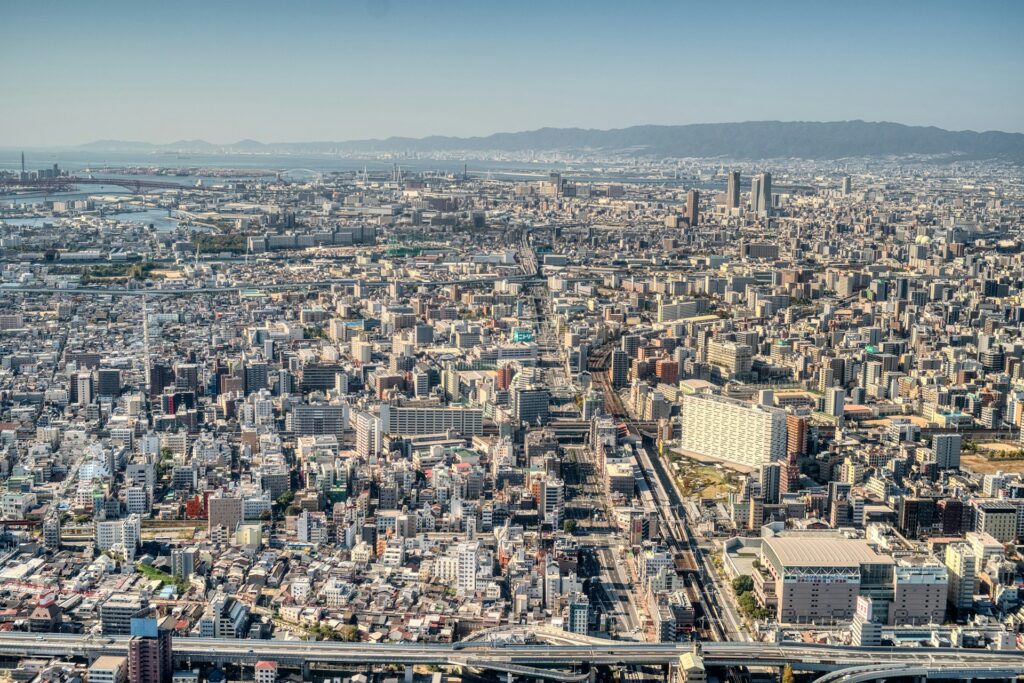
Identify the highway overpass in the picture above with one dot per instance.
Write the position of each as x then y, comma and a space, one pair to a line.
551, 659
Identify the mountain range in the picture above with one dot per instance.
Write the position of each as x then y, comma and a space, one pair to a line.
747, 140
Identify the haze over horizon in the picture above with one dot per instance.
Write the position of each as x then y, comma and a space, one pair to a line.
260, 71
240, 141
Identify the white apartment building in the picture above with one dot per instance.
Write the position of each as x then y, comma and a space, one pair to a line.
430, 420
733, 431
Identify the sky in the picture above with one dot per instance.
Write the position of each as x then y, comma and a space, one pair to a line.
302, 70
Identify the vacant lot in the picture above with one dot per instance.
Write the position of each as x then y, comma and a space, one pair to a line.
982, 465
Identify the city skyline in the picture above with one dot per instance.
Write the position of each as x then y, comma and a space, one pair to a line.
452, 342
319, 72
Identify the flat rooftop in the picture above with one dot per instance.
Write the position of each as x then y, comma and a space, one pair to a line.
824, 552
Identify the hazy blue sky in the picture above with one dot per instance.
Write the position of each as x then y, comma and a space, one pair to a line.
72, 72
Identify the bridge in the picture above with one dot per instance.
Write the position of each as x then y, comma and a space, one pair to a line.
558, 661
62, 183
871, 672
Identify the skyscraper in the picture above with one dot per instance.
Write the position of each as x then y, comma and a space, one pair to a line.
692, 207
732, 192
755, 192
762, 199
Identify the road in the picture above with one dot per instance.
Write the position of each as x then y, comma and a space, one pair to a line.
801, 656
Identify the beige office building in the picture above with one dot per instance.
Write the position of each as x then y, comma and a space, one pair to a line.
818, 579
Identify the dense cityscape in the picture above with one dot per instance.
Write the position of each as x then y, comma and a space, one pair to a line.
436, 408
594, 341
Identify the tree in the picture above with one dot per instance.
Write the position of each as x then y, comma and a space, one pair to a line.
747, 603
569, 526
350, 633
742, 584
787, 674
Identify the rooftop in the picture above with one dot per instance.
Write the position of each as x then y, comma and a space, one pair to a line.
824, 552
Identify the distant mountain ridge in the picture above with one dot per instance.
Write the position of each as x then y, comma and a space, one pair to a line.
748, 140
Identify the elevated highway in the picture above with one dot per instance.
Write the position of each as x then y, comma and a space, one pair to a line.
242, 287
544, 659
62, 183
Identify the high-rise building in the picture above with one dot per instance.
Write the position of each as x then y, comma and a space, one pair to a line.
947, 451
630, 343
150, 657
692, 207
467, 555
108, 382
83, 381
736, 359
183, 562
186, 377
732, 191
963, 575
997, 518
255, 376
835, 399
619, 371
51, 531
225, 511
160, 377
761, 194
410, 420
577, 618
920, 591
315, 420
529, 402
368, 435
552, 501
733, 431
796, 435
667, 371
120, 535
771, 478
761, 199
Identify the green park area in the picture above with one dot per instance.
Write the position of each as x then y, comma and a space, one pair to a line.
705, 481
